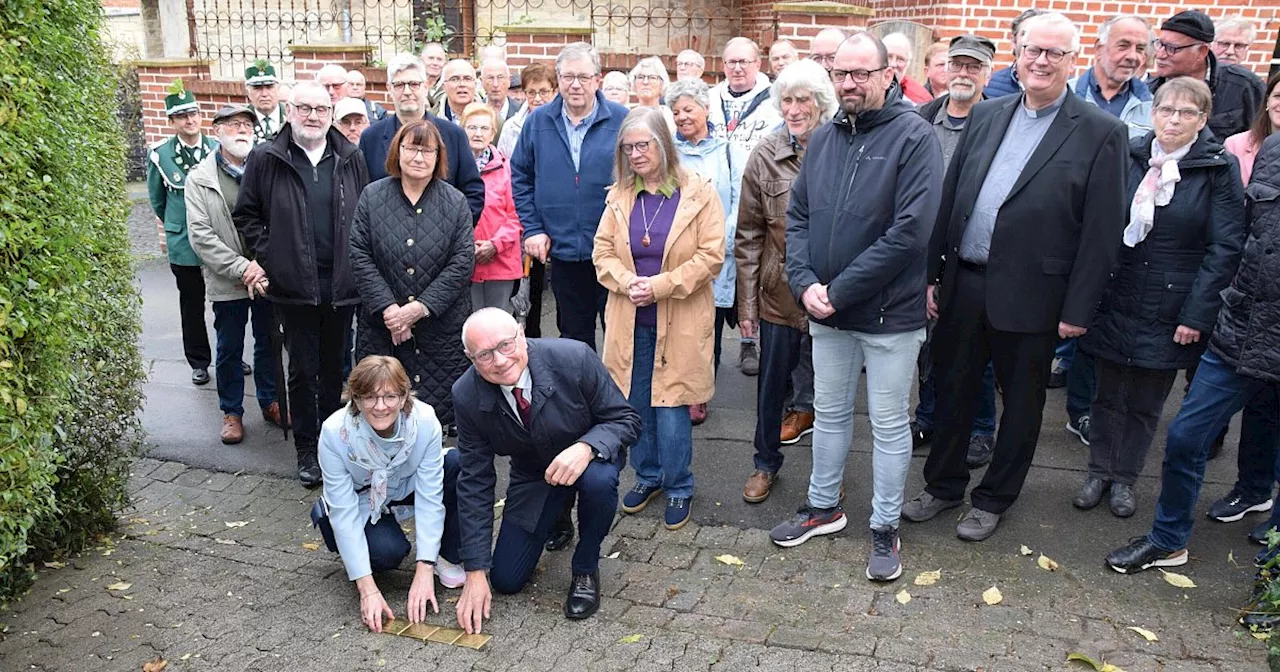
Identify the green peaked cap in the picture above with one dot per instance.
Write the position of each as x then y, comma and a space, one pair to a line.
261, 72
179, 99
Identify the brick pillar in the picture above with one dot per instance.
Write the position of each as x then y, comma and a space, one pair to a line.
799, 22
526, 44
309, 58
154, 78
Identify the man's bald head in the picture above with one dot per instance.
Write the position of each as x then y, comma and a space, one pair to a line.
487, 321
496, 345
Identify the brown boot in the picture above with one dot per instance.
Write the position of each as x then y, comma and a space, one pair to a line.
795, 425
232, 429
758, 487
272, 415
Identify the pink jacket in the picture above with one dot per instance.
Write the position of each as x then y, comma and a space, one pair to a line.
498, 223
1241, 146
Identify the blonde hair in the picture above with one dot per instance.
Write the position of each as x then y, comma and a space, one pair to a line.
373, 372
477, 109
652, 120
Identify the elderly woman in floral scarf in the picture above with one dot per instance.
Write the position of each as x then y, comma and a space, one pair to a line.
382, 461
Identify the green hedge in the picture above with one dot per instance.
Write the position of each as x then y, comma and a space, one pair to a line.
70, 374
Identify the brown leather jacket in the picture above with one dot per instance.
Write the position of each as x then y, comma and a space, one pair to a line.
760, 245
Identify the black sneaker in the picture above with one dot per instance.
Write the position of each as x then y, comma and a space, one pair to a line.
1141, 554
920, 437
1258, 535
980, 447
885, 563
1080, 427
1234, 506
808, 522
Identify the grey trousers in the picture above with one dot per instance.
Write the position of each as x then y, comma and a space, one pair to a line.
492, 294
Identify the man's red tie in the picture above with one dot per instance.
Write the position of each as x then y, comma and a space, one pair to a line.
522, 405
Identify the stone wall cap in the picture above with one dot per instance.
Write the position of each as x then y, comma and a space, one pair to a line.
169, 62
545, 29
823, 7
330, 47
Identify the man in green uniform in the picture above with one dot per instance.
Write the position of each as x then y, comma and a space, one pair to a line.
170, 161
263, 89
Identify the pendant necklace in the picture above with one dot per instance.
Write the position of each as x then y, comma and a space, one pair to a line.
648, 223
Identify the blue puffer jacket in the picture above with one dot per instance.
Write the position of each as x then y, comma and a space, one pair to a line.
554, 198
720, 161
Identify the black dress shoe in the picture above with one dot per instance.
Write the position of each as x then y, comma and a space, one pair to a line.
199, 376
1090, 493
561, 534
244, 366
584, 596
1122, 501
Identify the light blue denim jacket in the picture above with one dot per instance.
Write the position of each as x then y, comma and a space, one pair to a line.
720, 161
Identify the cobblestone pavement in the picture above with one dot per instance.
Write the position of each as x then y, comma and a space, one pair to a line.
222, 576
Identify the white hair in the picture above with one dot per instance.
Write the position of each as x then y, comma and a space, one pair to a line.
806, 75
1237, 22
457, 63
576, 52
693, 56
401, 62
486, 318
1050, 20
332, 69
742, 42
305, 86
615, 78
496, 63
1104, 31
900, 38
650, 66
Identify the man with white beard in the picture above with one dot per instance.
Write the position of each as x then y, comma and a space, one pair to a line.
234, 283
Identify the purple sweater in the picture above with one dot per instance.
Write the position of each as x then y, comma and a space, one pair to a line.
662, 213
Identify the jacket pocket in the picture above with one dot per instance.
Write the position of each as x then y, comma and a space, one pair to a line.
175, 227
771, 270
777, 196
1173, 293
1057, 266
1233, 298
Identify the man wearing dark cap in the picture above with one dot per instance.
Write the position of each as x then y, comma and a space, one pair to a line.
234, 283
1182, 50
516, 90
968, 71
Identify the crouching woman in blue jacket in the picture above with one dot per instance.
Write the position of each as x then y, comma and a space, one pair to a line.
383, 450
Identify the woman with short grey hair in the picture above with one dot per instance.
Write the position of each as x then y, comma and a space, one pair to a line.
720, 161
649, 80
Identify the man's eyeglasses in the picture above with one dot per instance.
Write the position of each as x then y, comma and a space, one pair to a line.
581, 79
1184, 113
823, 59
1055, 56
648, 78
628, 148
461, 79
505, 347
237, 124
740, 63
970, 68
413, 151
1232, 46
390, 400
1172, 49
305, 111
687, 64
408, 85
858, 76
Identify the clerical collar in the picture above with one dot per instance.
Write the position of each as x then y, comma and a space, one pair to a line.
667, 188
1043, 112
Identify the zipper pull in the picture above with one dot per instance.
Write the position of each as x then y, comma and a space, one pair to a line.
575, 179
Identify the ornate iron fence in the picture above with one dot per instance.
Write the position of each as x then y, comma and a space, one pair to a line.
234, 33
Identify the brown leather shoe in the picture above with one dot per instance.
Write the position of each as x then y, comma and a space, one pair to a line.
697, 414
795, 425
232, 429
272, 414
758, 487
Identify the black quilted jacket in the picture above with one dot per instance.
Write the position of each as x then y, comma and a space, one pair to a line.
1248, 332
402, 252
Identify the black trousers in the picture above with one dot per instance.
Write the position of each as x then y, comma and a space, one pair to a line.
195, 337
537, 283
579, 300
1123, 418
963, 341
316, 337
780, 352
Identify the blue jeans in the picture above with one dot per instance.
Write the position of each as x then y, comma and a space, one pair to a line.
1082, 384
1217, 393
664, 450
1065, 353
984, 423
890, 360
516, 553
229, 320
388, 546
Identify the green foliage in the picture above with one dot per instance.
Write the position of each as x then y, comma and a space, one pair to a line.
70, 374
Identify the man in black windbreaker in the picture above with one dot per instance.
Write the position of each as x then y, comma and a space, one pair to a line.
858, 225
297, 198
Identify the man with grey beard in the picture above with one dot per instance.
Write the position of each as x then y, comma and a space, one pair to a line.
297, 199
234, 283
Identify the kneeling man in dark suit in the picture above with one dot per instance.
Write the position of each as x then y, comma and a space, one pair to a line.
549, 405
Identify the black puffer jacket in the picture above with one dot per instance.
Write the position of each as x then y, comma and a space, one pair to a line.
1174, 276
1248, 331
402, 252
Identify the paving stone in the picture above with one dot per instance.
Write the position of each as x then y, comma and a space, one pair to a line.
652, 617
717, 537
167, 471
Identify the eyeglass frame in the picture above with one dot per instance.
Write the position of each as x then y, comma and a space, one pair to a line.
408, 85
540, 94
858, 76
740, 63
305, 111
569, 80
389, 400
1185, 114
956, 67
1173, 49
1053, 55
629, 148
414, 151
485, 357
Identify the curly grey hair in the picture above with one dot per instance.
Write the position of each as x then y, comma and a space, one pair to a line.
693, 89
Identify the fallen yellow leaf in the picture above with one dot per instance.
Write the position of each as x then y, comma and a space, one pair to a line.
928, 578
311, 546
1261, 636
120, 585
902, 597
55, 565
236, 523
1108, 667
992, 596
1178, 580
1080, 657
731, 560
155, 665
1146, 634
1046, 563
631, 639
1025, 551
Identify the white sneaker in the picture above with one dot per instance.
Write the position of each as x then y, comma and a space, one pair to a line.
451, 575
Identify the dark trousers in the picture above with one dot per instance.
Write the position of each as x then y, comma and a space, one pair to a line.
1217, 393
724, 317
516, 553
1082, 384
229, 321
316, 337
537, 283
388, 546
1259, 441
1124, 415
963, 341
195, 337
579, 300
780, 348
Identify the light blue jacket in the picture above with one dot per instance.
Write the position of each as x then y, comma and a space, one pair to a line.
720, 161
422, 476
1137, 109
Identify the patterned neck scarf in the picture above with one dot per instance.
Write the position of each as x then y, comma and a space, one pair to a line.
379, 456
1155, 190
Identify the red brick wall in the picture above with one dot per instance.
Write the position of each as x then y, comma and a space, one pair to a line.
992, 17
